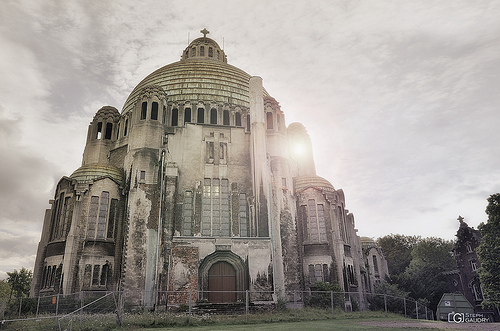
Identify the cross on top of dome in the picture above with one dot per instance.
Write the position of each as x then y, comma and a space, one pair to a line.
205, 32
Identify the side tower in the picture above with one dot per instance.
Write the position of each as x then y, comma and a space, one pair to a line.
81, 242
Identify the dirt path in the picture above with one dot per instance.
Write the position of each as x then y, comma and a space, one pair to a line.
435, 325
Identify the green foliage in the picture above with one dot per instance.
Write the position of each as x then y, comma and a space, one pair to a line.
397, 251
489, 254
416, 265
424, 278
4, 289
393, 298
322, 298
20, 282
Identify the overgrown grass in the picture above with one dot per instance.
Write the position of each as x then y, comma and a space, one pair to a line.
146, 321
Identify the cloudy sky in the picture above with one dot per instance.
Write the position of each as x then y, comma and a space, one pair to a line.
400, 97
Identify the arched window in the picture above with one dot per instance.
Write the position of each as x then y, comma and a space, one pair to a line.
213, 116
164, 117
238, 119
248, 122
187, 54
154, 111
202, 50
126, 128
187, 115
99, 130
201, 115
109, 129
144, 110
193, 51
210, 52
225, 117
269, 120
175, 117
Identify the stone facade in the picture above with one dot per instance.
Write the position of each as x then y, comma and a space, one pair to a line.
197, 185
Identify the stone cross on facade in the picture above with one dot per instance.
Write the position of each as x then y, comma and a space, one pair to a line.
460, 219
205, 32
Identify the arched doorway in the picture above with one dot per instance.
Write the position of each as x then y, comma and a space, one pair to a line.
222, 282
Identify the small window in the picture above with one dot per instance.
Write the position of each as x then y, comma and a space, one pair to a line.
269, 120
202, 50
99, 130
187, 115
225, 119
154, 111
125, 131
175, 117
109, 129
201, 115
210, 151
473, 265
142, 175
210, 52
248, 123
144, 110
218, 55
193, 51
238, 119
213, 116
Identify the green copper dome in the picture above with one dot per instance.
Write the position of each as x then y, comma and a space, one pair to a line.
201, 75
92, 172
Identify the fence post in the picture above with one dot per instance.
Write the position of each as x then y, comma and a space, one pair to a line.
331, 300
360, 304
189, 322
416, 308
37, 305
246, 305
57, 304
295, 302
404, 303
385, 304
81, 306
20, 305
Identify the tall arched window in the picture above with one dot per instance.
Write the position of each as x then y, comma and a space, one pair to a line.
225, 117
175, 117
248, 122
202, 50
237, 119
210, 52
154, 111
109, 129
144, 110
269, 120
99, 130
187, 115
213, 116
201, 115
125, 131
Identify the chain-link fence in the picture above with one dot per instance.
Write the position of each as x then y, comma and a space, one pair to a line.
77, 307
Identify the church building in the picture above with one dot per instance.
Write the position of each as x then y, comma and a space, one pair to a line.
197, 185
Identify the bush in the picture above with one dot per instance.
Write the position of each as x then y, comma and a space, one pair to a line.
321, 297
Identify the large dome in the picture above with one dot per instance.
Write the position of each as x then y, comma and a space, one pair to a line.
201, 75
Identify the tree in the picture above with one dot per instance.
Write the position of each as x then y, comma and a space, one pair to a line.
423, 277
20, 282
489, 254
4, 289
397, 251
